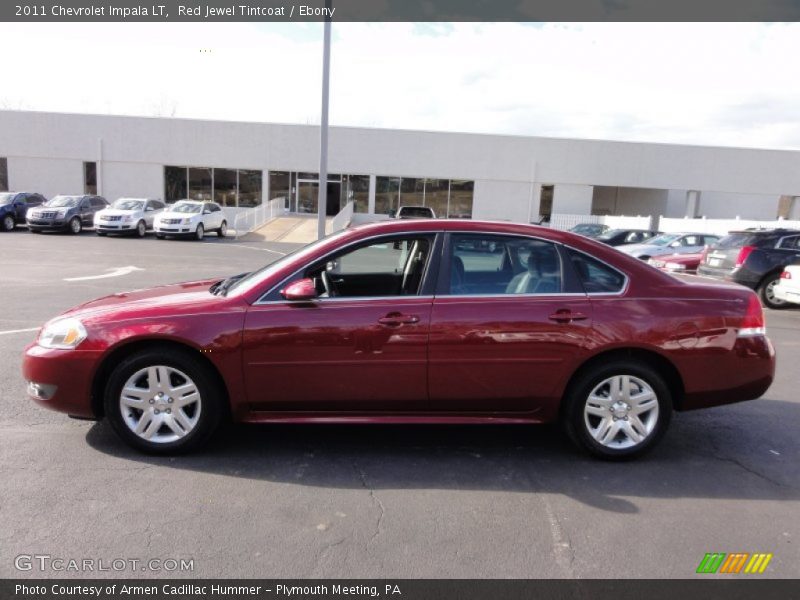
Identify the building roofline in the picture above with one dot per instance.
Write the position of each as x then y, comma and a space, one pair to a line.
411, 131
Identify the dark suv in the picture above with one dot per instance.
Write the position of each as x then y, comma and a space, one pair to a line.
14, 206
70, 213
754, 258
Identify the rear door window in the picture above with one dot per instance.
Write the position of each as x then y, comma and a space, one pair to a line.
596, 276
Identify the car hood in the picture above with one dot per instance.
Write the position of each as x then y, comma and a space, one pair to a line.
113, 212
177, 215
165, 300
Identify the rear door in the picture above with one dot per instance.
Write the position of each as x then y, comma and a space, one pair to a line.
508, 324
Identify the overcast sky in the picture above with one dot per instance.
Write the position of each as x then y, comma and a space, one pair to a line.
727, 84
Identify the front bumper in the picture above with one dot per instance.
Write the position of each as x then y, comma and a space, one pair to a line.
174, 230
43, 224
61, 380
115, 227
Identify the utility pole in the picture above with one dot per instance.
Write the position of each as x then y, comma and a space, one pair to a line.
322, 196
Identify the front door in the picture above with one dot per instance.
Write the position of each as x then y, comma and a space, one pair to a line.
307, 194
360, 346
505, 326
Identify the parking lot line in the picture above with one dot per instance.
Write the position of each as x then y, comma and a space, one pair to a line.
9, 331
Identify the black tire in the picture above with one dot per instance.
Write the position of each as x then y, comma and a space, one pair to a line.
9, 223
141, 229
200, 232
223, 229
210, 394
75, 226
100, 233
578, 391
766, 294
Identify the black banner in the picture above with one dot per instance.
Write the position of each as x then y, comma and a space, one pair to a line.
400, 589
400, 10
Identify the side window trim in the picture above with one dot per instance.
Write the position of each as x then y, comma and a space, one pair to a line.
426, 287
570, 283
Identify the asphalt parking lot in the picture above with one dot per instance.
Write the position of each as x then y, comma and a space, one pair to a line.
380, 501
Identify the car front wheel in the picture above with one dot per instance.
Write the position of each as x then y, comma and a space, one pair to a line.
141, 229
619, 410
162, 402
199, 232
75, 225
8, 223
223, 230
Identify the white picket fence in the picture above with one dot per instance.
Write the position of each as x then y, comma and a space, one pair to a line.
564, 222
720, 226
670, 225
252, 218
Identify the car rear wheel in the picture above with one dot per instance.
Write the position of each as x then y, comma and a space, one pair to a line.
162, 402
199, 232
619, 410
8, 223
223, 230
766, 292
75, 226
141, 229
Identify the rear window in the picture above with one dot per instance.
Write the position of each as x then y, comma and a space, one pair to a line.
738, 240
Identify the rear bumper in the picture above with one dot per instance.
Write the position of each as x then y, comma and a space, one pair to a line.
740, 276
787, 294
62, 378
744, 373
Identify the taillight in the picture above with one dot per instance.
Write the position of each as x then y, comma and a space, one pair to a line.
786, 275
743, 254
753, 321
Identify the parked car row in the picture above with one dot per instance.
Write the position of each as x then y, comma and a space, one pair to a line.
613, 237
131, 216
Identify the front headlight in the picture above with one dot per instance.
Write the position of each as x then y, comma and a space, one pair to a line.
64, 334
187, 221
127, 218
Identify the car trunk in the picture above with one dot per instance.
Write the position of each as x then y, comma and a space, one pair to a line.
722, 256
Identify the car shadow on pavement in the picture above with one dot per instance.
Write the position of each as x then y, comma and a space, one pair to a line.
738, 452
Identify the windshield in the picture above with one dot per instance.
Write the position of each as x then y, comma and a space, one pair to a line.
415, 211
124, 204
248, 282
186, 207
587, 228
63, 201
6, 198
663, 240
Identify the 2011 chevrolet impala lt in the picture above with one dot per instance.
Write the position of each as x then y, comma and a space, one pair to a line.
427, 321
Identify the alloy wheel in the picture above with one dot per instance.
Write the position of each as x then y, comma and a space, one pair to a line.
141, 229
621, 412
75, 225
160, 404
200, 232
8, 222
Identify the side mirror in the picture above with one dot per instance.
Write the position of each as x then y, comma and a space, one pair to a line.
304, 289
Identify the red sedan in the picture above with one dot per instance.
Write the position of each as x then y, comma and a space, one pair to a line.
678, 263
427, 321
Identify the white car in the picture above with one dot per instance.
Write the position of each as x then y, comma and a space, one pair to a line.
669, 243
129, 216
191, 218
788, 288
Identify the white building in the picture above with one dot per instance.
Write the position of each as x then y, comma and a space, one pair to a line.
484, 176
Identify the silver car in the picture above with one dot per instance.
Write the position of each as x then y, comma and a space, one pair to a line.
670, 243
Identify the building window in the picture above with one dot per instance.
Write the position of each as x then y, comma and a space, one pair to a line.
90, 178
280, 186
461, 193
3, 174
412, 192
387, 195
436, 195
225, 187
249, 188
355, 188
200, 183
175, 187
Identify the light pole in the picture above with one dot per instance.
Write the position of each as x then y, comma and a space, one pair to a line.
322, 196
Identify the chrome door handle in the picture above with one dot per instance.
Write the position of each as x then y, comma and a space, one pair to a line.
397, 319
566, 316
